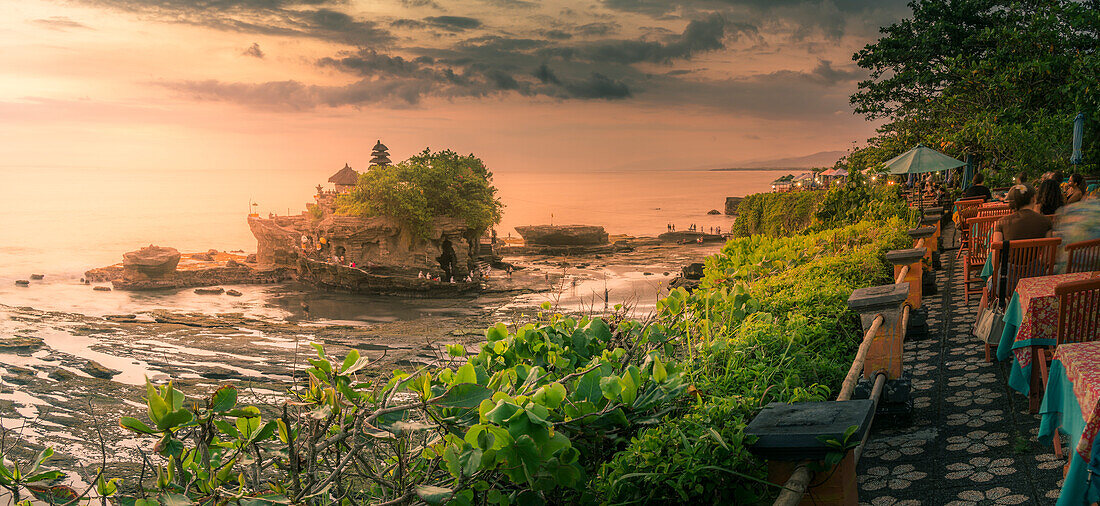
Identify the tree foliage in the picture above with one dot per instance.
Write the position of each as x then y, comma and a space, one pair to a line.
424, 187
995, 78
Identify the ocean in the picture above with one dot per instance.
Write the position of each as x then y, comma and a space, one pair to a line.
60, 222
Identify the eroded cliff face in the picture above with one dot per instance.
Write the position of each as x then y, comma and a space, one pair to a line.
372, 243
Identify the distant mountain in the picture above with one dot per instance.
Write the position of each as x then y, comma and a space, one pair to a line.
821, 159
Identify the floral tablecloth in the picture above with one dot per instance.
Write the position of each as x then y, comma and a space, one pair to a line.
1031, 319
1071, 403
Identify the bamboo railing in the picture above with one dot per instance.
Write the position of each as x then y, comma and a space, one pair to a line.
797, 485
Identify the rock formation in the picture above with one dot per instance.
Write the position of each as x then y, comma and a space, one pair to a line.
376, 244
151, 261
563, 235
731, 205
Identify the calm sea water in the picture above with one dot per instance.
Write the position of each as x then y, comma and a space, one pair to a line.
61, 222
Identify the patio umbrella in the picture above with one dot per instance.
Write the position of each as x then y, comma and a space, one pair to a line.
1078, 136
921, 159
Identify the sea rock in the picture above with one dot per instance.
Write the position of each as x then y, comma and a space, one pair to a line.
251, 258
121, 318
98, 370
205, 257
18, 375
714, 211
563, 235
60, 374
18, 344
233, 293
101, 288
217, 290
233, 263
693, 271
731, 205
152, 260
212, 252
37, 276
22, 282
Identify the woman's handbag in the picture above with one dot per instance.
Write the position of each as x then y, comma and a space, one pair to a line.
990, 324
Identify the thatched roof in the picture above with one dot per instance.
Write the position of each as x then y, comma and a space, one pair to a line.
346, 176
378, 146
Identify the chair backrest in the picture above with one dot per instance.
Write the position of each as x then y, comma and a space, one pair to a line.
1027, 258
968, 203
1078, 311
981, 233
994, 211
965, 214
1084, 256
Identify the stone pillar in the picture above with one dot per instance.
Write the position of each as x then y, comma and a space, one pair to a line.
788, 435
924, 233
886, 345
932, 220
912, 257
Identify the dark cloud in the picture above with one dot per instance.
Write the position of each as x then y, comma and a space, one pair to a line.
804, 18
254, 51
289, 18
62, 23
557, 34
421, 3
699, 36
598, 29
513, 4
597, 86
453, 23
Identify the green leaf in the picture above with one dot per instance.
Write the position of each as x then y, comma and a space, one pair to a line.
496, 332
351, 366
659, 372
174, 499
464, 395
527, 452
157, 407
174, 419
432, 494
611, 387
224, 399
466, 374
46, 476
42, 456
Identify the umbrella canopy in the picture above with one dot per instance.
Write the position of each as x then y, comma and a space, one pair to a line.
921, 159
1078, 136
840, 172
829, 172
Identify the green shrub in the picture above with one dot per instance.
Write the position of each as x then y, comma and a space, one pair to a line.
776, 214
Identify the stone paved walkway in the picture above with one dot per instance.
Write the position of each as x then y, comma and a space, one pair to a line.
970, 439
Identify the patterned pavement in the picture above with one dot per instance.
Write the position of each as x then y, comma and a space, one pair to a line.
970, 439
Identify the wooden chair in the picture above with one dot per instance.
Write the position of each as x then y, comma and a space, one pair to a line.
998, 210
980, 235
964, 227
1084, 256
1078, 322
1027, 258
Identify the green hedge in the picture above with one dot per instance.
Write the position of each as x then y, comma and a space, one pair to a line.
775, 214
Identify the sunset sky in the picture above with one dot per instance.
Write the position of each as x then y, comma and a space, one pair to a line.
525, 84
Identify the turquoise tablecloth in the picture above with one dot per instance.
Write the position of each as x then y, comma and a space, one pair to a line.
1019, 376
1061, 410
987, 269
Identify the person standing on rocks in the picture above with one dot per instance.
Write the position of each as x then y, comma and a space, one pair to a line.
447, 260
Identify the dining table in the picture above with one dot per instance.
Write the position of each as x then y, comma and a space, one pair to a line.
1071, 405
1031, 321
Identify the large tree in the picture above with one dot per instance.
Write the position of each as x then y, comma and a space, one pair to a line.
991, 77
426, 186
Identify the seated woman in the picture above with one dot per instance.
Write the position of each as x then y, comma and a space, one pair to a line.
1076, 190
1050, 197
1024, 223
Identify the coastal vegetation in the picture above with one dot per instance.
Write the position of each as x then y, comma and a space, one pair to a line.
561, 410
428, 185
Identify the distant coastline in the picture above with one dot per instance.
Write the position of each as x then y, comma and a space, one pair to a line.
757, 169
